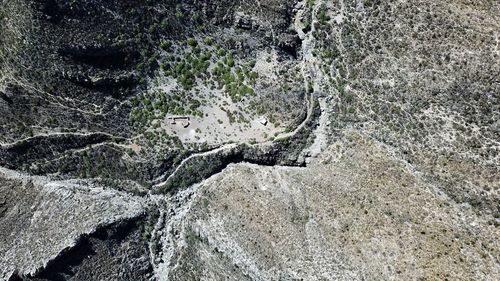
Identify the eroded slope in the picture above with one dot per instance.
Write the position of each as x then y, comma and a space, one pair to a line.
355, 213
41, 219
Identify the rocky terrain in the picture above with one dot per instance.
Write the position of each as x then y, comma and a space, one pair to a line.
355, 213
249, 140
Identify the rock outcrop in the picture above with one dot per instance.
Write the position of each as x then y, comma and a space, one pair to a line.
42, 219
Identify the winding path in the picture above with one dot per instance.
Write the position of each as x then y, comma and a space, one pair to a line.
196, 155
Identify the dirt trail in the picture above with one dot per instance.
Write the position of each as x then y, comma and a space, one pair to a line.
201, 154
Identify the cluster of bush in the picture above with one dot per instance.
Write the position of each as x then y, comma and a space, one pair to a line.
157, 104
194, 64
187, 68
236, 81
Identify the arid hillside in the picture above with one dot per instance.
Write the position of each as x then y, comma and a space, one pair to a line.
249, 140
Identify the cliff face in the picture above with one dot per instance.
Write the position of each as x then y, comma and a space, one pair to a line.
249, 140
43, 221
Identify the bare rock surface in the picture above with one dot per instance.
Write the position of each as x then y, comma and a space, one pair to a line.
40, 218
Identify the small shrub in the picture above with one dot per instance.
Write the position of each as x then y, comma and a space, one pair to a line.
192, 42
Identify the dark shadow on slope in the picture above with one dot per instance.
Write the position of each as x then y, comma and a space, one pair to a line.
114, 252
